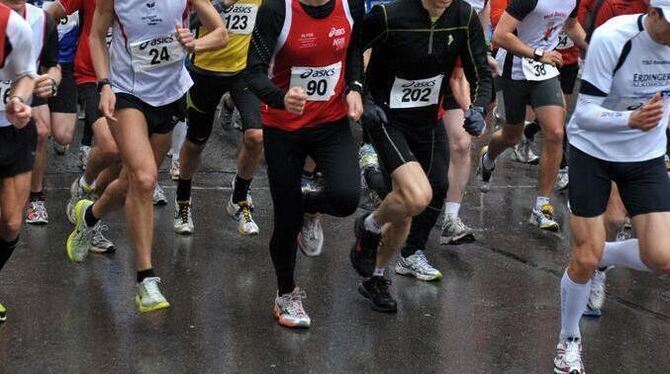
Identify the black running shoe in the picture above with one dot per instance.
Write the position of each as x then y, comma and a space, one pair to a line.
364, 252
376, 289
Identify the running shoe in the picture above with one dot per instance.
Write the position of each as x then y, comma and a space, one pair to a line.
376, 289
37, 213
241, 212
309, 185
99, 243
84, 154
183, 221
417, 266
80, 240
483, 172
236, 119
523, 153
454, 231
59, 149
289, 311
597, 296
310, 237
159, 196
625, 233
544, 218
77, 193
562, 179
3, 313
569, 357
363, 254
226, 113
174, 169
149, 297
367, 157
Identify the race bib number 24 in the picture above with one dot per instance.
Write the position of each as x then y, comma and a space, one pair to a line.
156, 53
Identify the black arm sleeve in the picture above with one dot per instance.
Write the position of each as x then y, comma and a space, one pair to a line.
354, 67
49, 56
374, 26
269, 22
519, 9
475, 65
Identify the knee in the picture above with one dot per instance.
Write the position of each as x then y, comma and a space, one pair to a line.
62, 137
107, 149
657, 259
144, 181
253, 140
511, 138
417, 199
585, 260
42, 132
553, 134
460, 146
344, 201
12, 226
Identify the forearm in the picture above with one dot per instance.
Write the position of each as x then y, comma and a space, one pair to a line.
209, 17
23, 88
216, 39
99, 55
512, 44
592, 116
55, 73
576, 32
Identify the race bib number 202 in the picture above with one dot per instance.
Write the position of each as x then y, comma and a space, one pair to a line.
318, 82
415, 93
156, 53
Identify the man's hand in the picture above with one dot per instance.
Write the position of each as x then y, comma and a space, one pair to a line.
295, 100
185, 38
648, 115
44, 87
373, 114
552, 58
474, 122
17, 112
108, 103
354, 105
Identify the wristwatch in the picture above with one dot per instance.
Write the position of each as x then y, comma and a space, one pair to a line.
102, 83
354, 86
537, 54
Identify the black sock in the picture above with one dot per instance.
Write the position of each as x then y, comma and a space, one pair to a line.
530, 130
6, 250
90, 219
141, 275
184, 190
37, 196
407, 251
241, 189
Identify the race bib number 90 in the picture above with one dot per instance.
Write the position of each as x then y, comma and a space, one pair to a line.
318, 82
157, 53
5, 92
241, 18
536, 70
415, 93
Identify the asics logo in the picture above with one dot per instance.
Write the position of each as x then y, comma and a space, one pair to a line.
151, 4
336, 32
317, 73
415, 84
156, 42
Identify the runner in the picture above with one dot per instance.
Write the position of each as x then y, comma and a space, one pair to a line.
528, 32
215, 73
311, 49
618, 134
18, 135
405, 77
143, 91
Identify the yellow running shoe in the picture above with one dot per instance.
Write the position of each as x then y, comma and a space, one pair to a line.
3, 313
149, 297
79, 241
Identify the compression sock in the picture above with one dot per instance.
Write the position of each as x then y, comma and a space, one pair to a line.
574, 297
625, 254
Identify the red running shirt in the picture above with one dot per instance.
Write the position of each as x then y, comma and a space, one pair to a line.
311, 53
83, 66
4, 19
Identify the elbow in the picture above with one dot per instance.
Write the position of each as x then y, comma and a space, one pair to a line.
498, 38
223, 40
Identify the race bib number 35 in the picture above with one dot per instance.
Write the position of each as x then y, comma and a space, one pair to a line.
415, 93
241, 18
536, 70
5, 91
156, 53
318, 82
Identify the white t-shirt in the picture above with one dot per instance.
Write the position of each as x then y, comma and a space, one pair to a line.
624, 68
477, 5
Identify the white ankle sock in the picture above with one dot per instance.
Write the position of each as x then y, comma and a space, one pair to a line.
452, 209
372, 225
625, 254
379, 272
574, 297
541, 200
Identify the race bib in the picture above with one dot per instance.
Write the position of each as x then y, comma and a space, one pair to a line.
5, 92
564, 41
536, 70
108, 37
318, 82
241, 18
157, 53
415, 93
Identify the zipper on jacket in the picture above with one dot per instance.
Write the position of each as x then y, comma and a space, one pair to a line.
430, 38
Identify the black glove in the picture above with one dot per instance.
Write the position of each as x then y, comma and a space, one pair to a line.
474, 122
373, 114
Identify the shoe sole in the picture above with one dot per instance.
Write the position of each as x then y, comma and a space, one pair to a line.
102, 251
352, 253
375, 307
69, 246
160, 203
37, 222
560, 371
183, 232
153, 308
595, 313
276, 315
245, 233
551, 228
460, 239
426, 278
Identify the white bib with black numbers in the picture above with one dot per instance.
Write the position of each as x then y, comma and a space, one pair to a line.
319, 82
157, 52
537, 71
241, 18
415, 93
564, 41
5, 92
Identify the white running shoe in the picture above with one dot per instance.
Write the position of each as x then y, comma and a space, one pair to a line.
149, 297
99, 243
562, 179
159, 196
597, 296
544, 218
310, 238
417, 265
37, 213
455, 231
523, 153
289, 311
485, 173
241, 212
77, 193
183, 221
84, 154
79, 241
569, 357
174, 169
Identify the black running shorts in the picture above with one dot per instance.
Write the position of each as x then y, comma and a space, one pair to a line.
66, 100
519, 93
568, 77
644, 186
17, 149
89, 100
160, 120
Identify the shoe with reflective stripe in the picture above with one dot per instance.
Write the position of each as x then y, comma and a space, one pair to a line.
99, 243
597, 295
376, 289
484, 172
79, 241
149, 297
454, 231
523, 153
241, 212
363, 254
159, 195
562, 179
84, 154
37, 213
174, 169
183, 221
289, 311
417, 266
310, 237
3, 313
544, 218
569, 357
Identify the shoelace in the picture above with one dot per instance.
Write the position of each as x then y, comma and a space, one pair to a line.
548, 211
294, 303
572, 353
460, 226
310, 227
184, 212
151, 288
245, 211
97, 232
